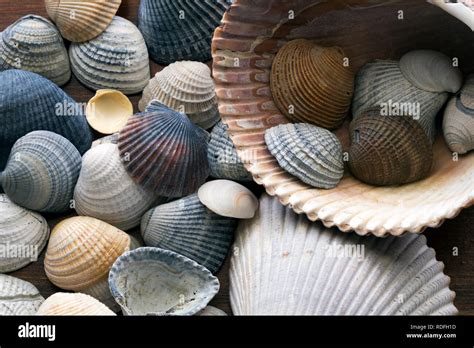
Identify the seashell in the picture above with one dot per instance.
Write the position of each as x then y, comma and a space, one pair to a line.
20, 113
462, 10
106, 192
210, 311
228, 198
458, 121
164, 151
182, 31
287, 265
80, 253
34, 44
153, 281
109, 139
22, 232
18, 297
41, 172
312, 154
310, 83
389, 150
188, 228
116, 59
62, 303
82, 20
431, 71
108, 111
222, 156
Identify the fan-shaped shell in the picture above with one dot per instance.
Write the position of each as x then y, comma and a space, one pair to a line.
108, 111
312, 154
116, 59
33, 43
186, 87
18, 297
287, 265
62, 303
164, 151
462, 10
181, 29
82, 20
188, 228
153, 281
23, 234
210, 311
41, 172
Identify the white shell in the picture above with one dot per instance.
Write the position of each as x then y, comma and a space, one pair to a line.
62, 303
461, 10
18, 297
211, 311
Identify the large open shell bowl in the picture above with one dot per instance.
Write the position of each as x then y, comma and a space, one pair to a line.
244, 47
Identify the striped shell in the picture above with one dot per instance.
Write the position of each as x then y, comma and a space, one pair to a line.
62, 303
41, 172
287, 265
34, 44
18, 297
188, 228
116, 59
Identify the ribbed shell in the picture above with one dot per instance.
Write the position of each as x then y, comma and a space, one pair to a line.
284, 264
41, 105
312, 154
153, 281
82, 20
185, 87
18, 297
62, 303
310, 83
180, 29
164, 151
41, 172
116, 59
105, 191
21, 231
33, 43
109, 139
188, 228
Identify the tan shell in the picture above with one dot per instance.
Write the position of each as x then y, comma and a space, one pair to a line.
62, 303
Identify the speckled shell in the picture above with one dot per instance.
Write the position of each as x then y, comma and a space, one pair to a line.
21, 231
287, 265
62, 303
41, 172
116, 59
461, 10
210, 311
153, 281
34, 44
163, 151
181, 29
312, 154
82, 20
18, 297
188, 228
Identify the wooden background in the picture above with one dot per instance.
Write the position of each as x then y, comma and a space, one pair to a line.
457, 233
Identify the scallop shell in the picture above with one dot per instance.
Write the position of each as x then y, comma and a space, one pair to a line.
21, 231
116, 59
62, 303
312, 154
164, 152
287, 265
188, 228
82, 20
462, 10
21, 113
18, 297
34, 44
153, 281
181, 30
41, 172
210, 311
185, 87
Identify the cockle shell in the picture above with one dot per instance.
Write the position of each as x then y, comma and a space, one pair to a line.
33, 43
116, 59
312, 154
287, 265
62, 303
18, 297
462, 10
82, 20
164, 151
106, 192
188, 228
210, 311
186, 87
109, 139
181, 30
153, 281
310, 83
22, 232
41, 172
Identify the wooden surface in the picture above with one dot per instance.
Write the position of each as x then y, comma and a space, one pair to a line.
453, 241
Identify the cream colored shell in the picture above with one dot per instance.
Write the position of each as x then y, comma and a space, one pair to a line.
108, 111
62, 303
